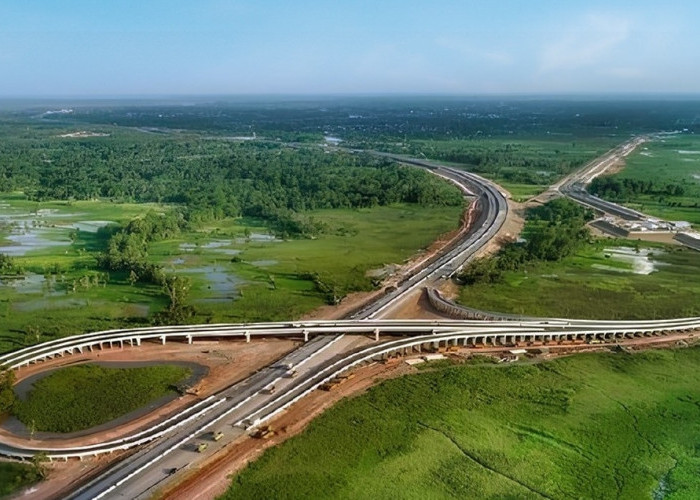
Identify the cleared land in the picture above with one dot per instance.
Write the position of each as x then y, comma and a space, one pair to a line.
560, 429
79, 397
606, 280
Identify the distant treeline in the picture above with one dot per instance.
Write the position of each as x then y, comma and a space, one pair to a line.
554, 230
213, 179
368, 121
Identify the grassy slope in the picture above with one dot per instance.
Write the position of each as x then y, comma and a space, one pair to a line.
589, 426
15, 476
574, 287
663, 162
80, 397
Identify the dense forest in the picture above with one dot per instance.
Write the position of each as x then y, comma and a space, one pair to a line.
213, 179
554, 230
623, 189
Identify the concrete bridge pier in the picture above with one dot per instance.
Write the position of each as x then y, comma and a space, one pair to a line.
162, 339
189, 339
306, 335
247, 336
376, 334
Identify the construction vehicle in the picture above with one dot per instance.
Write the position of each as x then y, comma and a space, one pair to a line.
329, 386
201, 447
217, 435
264, 432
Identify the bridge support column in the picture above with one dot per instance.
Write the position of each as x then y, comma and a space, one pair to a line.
162, 339
306, 335
121, 344
138, 341
376, 334
189, 339
247, 336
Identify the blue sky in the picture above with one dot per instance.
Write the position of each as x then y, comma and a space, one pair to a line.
154, 47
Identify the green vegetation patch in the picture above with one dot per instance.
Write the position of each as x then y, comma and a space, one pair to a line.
559, 271
15, 476
258, 279
589, 426
79, 397
592, 284
661, 178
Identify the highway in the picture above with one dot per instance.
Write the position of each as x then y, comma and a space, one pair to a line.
574, 186
492, 208
331, 348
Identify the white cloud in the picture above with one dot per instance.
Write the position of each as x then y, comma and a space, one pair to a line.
586, 44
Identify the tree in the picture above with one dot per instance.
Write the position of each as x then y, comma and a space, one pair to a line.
177, 289
38, 461
7, 393
133, 277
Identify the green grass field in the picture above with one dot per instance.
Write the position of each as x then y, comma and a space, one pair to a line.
79, 397
589, 426
273, 274
670, 160
592, 286
15, 476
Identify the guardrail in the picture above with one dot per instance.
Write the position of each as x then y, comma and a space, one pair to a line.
504, 338
425, 331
